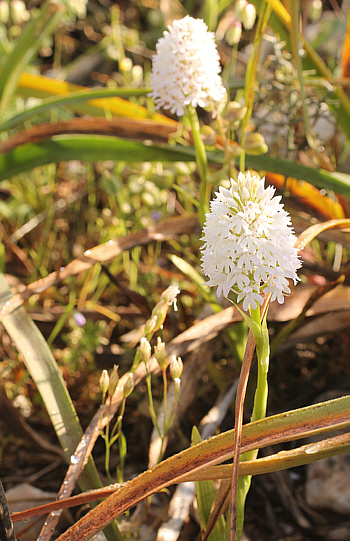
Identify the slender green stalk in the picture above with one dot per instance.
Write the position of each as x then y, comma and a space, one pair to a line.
251, 76
259, 409
202, 164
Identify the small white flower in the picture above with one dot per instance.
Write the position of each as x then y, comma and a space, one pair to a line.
185, 68
249, 243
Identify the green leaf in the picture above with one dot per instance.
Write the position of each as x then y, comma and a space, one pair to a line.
205, 494
27, 46
94, 148
339, 183
44, 371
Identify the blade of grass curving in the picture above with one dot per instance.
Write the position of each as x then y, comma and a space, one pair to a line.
98, 148
44, 371
39, 86
26, 48
292, 425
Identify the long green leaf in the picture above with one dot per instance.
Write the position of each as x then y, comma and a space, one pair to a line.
25, 50
94, 148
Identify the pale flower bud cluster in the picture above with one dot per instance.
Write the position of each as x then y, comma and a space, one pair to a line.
186, 67
249, 243
244, 13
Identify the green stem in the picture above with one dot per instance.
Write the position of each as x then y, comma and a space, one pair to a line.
259, 409
202, 163
151, 405
165, 391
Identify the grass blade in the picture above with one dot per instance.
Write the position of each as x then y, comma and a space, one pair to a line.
25, 50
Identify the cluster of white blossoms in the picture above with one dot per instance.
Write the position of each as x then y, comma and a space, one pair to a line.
186, 67
249, 243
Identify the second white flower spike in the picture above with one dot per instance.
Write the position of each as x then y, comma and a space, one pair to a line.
249, 243
186, 67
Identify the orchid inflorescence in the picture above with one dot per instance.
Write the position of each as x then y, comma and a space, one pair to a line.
186, 67
249, 243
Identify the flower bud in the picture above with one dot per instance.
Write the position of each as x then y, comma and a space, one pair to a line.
160, 354
113, 380
4, 11
160, 311
248, 16
255, 144
315, 10
79, 319
125, 65
128, 385
176, 367
235, 111
137, 74
104, 381
145, 350
240, 6
19, 13
150, 324
169, 295
234, 33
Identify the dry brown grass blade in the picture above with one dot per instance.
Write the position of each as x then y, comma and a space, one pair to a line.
311, 232
241, 392
268, 464
272, 430
118, 127
164, 230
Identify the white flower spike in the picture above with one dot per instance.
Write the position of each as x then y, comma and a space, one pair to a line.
186, 68
249, 243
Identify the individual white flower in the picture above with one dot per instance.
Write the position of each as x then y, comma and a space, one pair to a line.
249, 243
186, 68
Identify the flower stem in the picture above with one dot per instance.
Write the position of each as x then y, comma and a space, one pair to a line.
202, 163
259, 409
